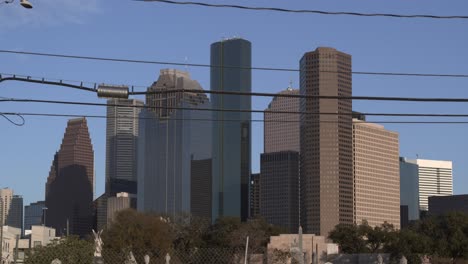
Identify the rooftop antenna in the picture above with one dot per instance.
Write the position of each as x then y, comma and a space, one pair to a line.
290, 85
186, 63
417, 156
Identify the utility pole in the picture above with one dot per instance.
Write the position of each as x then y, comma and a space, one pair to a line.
1, 230
15, 256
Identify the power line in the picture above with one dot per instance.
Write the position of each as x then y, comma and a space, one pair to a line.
224, 66
284, 10
228, 110
360, 98
226, 120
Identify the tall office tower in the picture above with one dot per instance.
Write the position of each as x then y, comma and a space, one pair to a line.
281, 130
70, 185
15, 214
326, 141
409, 188
439, 205
230, 72
33, 214
121, 136
100, 212
279, 189
435, 179
376, 174
11, 208
6, 195
254, 195
174, 147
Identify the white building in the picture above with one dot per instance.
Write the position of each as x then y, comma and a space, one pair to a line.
435, 179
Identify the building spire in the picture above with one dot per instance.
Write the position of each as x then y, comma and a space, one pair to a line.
290, 85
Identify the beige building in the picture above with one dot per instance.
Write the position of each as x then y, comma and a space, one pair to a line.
6, 195
326, 145
118, 203
281, 130
376, 174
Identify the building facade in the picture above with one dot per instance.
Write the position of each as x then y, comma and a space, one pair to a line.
6, 195
230, 72
175, 146
376, 174
282, 130
118, 203
326, 143
11, 206
439, 205
70, 185
279, 189
409, 188
121, 145
254, 195
33, 214
435, 179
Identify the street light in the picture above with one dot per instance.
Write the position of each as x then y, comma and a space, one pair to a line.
23, 3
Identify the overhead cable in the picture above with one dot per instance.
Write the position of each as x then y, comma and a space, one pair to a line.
226, 66
320, 12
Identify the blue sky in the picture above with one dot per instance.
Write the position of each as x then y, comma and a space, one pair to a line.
154, 31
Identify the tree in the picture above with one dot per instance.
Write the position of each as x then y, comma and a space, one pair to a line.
137, 232
70, 250
349, 238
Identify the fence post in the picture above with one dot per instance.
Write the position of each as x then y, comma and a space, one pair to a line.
246, 250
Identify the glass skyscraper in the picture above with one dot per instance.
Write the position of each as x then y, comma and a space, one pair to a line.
230, 71
175, 147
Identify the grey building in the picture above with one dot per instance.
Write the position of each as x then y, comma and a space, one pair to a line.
281, 130
326, 141
230, 72
409, 188
100, 212
439, 205
15, 214
173, 137
121, 135
33, 214
279, 189
118, 203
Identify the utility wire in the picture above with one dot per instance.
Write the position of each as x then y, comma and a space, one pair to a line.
56, 55
227, 120
5, 115
227, 110
276, 9
360, 98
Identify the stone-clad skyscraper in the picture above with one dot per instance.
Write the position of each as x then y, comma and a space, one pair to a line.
231, 62
121, 136
70, 185
326, 141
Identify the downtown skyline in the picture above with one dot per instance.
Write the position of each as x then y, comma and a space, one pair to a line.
414, 138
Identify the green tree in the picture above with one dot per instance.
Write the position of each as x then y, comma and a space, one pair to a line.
137, 232
349, 238
70, 250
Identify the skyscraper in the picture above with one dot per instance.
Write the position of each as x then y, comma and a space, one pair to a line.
11, 206
376, 174
70, 185
281, 130
279, 189
435, 179
33, 214
230, 72
174, 146
121, 136
326, 141
409, 188
254, 195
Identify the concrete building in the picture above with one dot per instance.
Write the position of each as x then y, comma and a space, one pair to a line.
435, 179
281, 130
439, 205
174, 146
409, 188
279, 189
70, 185
11, 207
376, 174
41, 235
121, 146
33, 214
231, 138
326, 143
201, 188
118, 203
100, 212
254, 195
